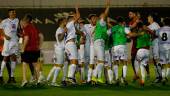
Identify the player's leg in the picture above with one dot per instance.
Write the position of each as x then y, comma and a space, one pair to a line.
143, 55
134, 64
13, 66
24, 75
3, 64
163, 61
91, 65
99, 49
168, 66
157, 65
123, 59
109, 67
8, 66
82, 65
59, 52
116, 58
40, 68
32, 71
106, 66
5, 54
65, 71
72, 52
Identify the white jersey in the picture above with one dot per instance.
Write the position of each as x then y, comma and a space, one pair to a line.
154, 26
59, 43
89, 29
10, 28
164, 37
71, 31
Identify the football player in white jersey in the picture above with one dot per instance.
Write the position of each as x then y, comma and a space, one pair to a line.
164, 49
80, 31
70, 45
59, 50
154, 26
89, 45
10, 47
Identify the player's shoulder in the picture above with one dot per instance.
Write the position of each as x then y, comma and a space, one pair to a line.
165, 28
16, 20
5, 21
59, 30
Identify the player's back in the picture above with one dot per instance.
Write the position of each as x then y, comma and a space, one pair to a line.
164, 37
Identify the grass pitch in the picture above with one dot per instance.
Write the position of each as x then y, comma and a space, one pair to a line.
132, 89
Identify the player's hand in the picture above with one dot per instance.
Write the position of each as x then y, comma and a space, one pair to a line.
7, 37
108, 2
77, 5
65, 30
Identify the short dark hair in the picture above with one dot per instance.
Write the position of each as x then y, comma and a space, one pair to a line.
133, 11
28, 17
11, 10
91, 15
60, 20
167, 21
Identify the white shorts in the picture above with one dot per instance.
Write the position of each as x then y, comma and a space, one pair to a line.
99, 46
142, 56
155, 49
119, 52
59, 55
10, 47
81, 55
71, 50
108, 56
164, 56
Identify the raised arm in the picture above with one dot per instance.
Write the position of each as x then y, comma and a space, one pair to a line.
105, 14
77, 15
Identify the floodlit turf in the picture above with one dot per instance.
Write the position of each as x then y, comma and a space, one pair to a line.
133, 89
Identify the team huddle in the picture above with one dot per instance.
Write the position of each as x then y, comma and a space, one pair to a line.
91, 50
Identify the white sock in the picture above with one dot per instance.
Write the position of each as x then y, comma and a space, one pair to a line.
3, 64
82, 53
13, 65
82, 73
115, 68
65, 71
142, 72
50, 73
71, 70
99, 70
124, 71
56, 72
110, 75
163, 72
89, 74
168, 72
136, 66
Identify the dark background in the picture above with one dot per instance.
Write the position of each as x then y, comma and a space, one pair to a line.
49, 29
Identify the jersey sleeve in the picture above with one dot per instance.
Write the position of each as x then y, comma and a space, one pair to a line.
2, 25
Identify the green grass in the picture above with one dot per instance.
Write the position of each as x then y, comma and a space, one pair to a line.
133, 89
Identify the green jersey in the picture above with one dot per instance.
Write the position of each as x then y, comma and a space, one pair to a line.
100, 31
119, 35
143, 40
